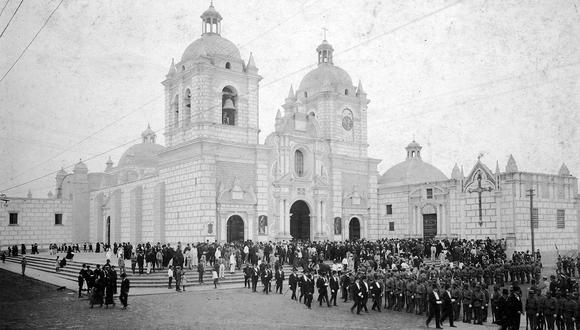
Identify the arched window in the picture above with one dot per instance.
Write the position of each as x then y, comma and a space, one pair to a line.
299, 162
187, 107
176, 111
228, 65
346, 92
183, 68
229, 106
305, 94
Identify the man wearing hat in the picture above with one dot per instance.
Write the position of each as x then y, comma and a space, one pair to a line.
279, 278
292, 282
549, 310
322, 285
514, 308
334, 287
501, 313
124, 296
308, 290
532, 309
477, 304
568, 311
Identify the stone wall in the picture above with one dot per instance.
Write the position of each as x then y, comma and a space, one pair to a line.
36, 222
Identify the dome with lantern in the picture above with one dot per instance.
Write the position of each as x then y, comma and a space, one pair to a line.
144, 154
327, 76
413, 170
211, 43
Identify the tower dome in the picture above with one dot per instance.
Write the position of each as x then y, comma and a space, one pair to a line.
413, 170
211, 43
327, 76
144, 154
80, 168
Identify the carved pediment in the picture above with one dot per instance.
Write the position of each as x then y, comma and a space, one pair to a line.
235, 193
483, 173
354, 198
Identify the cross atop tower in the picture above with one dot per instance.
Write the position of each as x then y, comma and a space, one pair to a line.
324, 32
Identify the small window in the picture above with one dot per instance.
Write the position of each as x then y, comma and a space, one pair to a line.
429, 193
183, 68
561, 219
392, 226
346, 92
305, 94
58, 218
228, 65
13, 218
389, 209
535, 219
299, 163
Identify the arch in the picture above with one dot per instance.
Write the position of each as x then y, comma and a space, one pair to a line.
229, 105
187, 107
300, 220
354, 229
299, 162
176, 111
235, 228
228, 65
346, 92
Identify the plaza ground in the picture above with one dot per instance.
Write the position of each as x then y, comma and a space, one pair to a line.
29, 303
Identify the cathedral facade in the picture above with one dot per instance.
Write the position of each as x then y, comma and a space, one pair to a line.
311, 179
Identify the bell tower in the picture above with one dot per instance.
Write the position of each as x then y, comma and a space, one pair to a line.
211, 93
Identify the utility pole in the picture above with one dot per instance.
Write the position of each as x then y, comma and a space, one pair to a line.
531, 195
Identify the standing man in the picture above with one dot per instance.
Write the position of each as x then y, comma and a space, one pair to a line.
279, 279
357, 295
345, 285
308, 288
514, 308
447, 306
366, 293
124, 296
434, 307
377, 293
81, 279
322, 285
23, 264
292, 283
532, 309
255, 276
334, 286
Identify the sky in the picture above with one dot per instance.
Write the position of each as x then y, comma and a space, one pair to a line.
462, 78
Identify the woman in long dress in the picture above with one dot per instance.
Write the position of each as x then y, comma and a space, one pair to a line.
232, 263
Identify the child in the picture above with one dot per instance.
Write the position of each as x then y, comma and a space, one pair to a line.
183, 280
170, 276
214, 276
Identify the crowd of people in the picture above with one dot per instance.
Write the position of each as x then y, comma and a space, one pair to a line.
449, 280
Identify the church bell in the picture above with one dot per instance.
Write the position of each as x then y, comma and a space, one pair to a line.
229, 105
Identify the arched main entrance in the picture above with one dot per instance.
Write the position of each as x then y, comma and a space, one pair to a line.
354, 229
300, 220
235, 229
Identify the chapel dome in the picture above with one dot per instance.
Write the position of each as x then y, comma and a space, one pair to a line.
211, 44
326, 76
141, 155
80, 167
144, 154
413, 170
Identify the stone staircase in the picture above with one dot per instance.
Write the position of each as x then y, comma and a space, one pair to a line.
153, 280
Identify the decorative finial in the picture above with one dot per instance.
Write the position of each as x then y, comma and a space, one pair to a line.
479, 156
324, 31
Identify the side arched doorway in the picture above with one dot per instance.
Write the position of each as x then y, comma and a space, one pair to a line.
235, 229
354, 229
300, 220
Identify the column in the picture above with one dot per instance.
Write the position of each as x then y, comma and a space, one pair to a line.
281, 217
286, 218
443, 220
322, 216
419, 221
439, 219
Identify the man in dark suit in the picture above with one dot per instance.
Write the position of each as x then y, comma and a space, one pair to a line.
279, 279
334, 286
434, 307
266, 278
293, 282
322, 284
357, 295
247, 276
377, 293
124, 296
514, 308
447, 306
365, 295
345, 285
308, 288
255, 276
